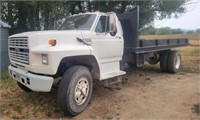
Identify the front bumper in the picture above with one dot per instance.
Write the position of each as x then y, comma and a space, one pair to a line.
34, 82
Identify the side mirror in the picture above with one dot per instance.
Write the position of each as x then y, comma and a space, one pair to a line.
112, 24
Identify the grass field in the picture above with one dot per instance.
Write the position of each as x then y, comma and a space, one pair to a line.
16, 104
172, 36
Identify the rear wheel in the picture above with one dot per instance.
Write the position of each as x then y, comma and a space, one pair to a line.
74, 90
174, 62
163, 60
153, 61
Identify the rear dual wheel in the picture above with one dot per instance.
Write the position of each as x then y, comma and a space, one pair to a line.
174, 62
170, 61
163, 60
153, 61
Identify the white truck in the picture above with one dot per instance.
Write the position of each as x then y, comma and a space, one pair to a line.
86, 47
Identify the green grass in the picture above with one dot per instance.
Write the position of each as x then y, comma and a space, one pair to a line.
109, 118
6, 81
5, 75
196, 109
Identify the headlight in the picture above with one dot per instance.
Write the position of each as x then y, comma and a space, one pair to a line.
45, 59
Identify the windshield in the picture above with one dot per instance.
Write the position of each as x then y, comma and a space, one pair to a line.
80, 22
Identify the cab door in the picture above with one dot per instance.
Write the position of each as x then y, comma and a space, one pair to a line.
108, 47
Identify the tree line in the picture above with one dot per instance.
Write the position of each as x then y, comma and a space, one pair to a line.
47, 15
165, 30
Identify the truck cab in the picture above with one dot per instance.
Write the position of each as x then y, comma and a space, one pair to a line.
83, 39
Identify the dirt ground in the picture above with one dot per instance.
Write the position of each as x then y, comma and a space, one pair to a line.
147, 96
142, 95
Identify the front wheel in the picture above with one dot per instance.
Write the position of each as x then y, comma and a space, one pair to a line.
74, 90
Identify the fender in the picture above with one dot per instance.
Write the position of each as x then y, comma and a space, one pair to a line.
55, 55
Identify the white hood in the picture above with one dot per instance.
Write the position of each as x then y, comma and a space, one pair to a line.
47, 32
62, 37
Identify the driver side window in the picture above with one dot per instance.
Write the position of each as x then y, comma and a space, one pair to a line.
101, 25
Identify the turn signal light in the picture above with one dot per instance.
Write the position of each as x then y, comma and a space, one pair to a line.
52, 42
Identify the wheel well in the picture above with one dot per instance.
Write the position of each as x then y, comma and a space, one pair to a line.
88, 61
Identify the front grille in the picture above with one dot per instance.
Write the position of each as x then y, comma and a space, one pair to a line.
19, 50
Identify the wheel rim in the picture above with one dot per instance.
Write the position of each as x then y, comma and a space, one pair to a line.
177, 62
81, 90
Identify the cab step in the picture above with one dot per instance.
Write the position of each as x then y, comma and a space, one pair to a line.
112, 81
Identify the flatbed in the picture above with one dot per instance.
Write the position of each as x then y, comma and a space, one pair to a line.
138, 51
159, 44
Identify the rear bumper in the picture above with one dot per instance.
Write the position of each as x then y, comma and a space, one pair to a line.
34, 82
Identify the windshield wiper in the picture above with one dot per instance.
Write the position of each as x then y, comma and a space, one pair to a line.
81, 40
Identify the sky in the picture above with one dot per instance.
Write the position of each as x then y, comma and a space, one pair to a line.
189, 20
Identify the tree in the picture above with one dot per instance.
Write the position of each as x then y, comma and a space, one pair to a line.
197, 31
22, 16
149, 10
8, 14
177, 31
52, 12
37, 15
33, 15
163, 31
190, 32
150, 30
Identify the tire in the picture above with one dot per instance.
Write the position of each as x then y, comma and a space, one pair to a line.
174, 62
153, 61
79, 79
163, 61
24, 88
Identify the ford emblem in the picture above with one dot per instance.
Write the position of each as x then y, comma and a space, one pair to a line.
17, 50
